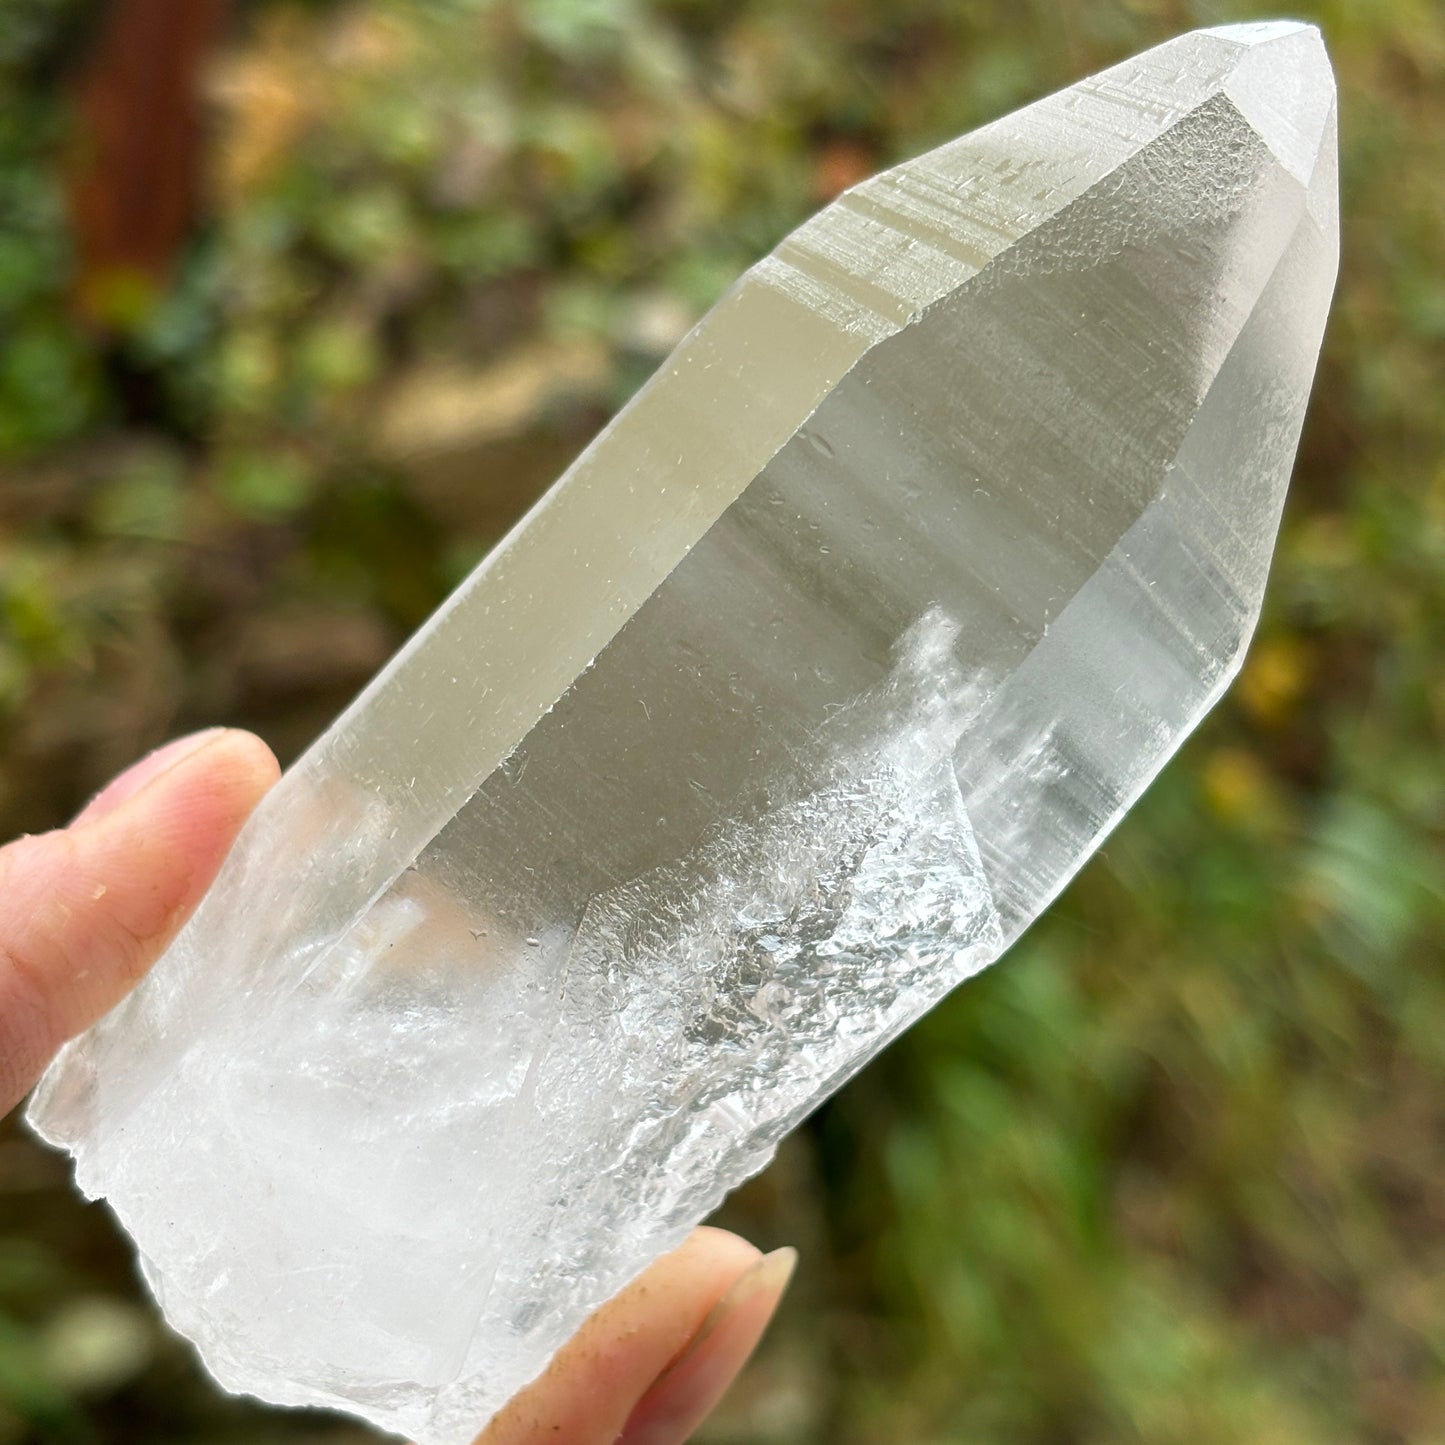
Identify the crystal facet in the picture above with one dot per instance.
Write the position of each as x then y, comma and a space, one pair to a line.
787, 709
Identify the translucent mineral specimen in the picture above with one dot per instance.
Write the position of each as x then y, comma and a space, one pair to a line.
788, 708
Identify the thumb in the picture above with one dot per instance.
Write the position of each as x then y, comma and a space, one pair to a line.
86, 910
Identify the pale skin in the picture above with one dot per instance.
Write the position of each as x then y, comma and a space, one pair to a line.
84, 912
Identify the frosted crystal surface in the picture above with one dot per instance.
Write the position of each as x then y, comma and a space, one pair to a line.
786, 710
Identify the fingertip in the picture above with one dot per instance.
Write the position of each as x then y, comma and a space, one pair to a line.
589, 1391
718, 1251
236, 767
153, 854
85, 911
687, 1391
231, 752
216, 777
230, 759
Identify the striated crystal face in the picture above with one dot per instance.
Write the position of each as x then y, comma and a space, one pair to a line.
787, 709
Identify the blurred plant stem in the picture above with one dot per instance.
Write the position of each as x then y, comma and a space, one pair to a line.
134, 172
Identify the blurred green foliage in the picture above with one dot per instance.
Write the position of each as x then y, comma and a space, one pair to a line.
1171, 1173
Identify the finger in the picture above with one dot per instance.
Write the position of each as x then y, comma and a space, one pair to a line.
86, 910
676, 1336
135, 777
687, 1392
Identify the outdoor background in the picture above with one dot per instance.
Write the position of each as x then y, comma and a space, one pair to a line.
1171, 1174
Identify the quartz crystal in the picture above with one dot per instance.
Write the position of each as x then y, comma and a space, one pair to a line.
785, 710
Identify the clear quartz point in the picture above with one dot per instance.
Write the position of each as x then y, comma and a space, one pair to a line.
793, 702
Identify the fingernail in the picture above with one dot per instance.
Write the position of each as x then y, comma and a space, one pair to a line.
150, 767
678, 1401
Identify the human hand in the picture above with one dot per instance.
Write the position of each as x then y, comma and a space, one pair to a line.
86, 910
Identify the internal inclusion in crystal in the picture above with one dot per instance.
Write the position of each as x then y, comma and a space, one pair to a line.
853, 876
788, 709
